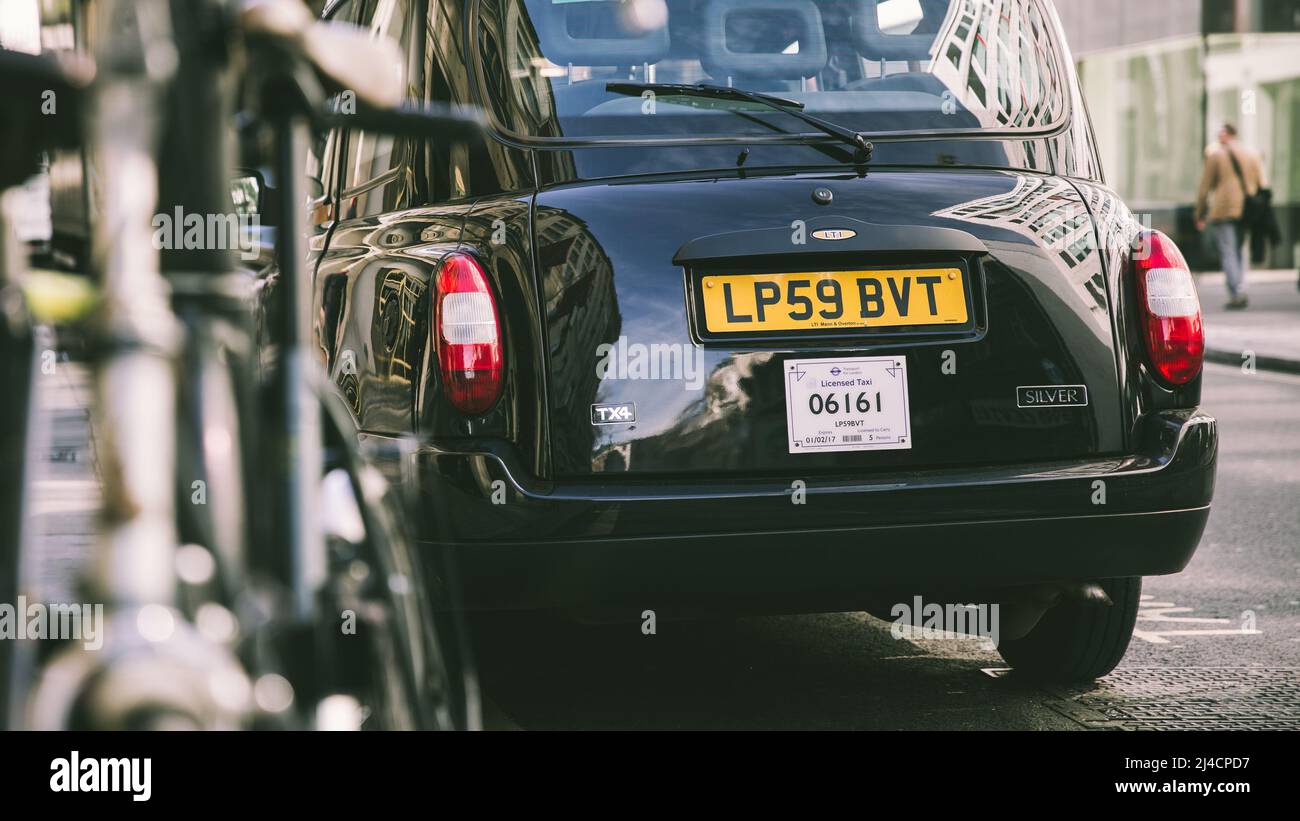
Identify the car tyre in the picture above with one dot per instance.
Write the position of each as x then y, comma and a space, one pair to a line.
1078, 641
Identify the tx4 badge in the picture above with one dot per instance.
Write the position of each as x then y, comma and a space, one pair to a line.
613, 414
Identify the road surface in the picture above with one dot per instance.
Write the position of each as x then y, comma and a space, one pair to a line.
1217, 645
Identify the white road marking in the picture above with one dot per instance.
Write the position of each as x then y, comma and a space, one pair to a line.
1159, 614
1159, 638
1149, 610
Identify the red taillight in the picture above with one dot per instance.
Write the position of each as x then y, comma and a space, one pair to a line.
1169, 308
467, 332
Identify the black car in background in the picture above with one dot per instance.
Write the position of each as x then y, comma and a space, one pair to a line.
768, 306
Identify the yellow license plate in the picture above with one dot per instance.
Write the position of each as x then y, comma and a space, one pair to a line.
831, 300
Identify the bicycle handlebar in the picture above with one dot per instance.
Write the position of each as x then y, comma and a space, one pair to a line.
342, 53
29, 126
60, 72
349, 58
433, 120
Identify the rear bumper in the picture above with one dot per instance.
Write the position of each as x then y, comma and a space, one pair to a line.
640, 543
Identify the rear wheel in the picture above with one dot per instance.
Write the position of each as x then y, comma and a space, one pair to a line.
1078, 641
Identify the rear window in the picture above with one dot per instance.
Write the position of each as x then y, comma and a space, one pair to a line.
882, 67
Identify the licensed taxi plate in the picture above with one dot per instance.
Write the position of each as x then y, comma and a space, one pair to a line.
849, 404
834, 300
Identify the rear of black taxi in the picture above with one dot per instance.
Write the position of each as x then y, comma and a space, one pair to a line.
691, 350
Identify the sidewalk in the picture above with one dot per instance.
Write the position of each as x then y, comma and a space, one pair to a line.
1270, 327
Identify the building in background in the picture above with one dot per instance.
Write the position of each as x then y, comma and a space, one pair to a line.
1160, 76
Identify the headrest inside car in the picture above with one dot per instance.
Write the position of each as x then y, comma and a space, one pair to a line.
762, 38
909, 30
599, 33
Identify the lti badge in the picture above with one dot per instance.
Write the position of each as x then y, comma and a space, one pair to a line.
1052, 396
619, 413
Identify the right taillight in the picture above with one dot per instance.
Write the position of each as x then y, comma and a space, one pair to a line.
468, 329
1169, 308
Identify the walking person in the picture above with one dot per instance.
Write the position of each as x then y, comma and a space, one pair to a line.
1233, 174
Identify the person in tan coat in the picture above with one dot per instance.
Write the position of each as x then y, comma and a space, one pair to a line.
1221, 201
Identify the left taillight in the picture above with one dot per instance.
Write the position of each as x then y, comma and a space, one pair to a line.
468, 329
1169, 308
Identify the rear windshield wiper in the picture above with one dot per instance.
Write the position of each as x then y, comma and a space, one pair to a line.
861, 145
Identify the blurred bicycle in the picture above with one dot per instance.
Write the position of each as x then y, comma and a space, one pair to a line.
255, 566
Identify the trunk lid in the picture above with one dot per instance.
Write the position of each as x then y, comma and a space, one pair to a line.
622, 267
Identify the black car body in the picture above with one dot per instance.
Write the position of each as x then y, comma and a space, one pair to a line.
639, 450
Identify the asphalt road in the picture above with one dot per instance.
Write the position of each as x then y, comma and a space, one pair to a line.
1217, 645
1191, 665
